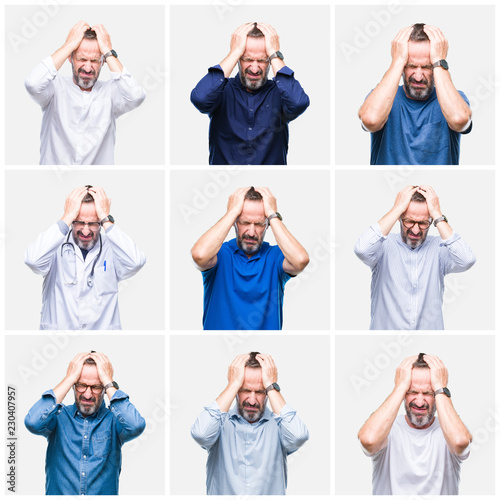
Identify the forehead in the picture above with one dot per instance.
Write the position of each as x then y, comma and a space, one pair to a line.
253, 211
417, 211
421, 379
253, 378
255, 48
87, 212
88, 49
89, 375
419, 53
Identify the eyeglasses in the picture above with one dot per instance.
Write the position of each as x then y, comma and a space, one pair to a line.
80, 224
96, 389
422, 224
246, 223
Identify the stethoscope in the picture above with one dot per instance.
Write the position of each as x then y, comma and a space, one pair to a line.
69, 248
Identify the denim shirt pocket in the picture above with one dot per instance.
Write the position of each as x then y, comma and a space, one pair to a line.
101, 444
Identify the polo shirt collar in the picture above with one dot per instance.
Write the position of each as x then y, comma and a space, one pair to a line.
236, 249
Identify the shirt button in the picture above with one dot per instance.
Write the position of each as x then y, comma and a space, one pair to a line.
83, 473
251, 109
249, 128
85, 437
85, 457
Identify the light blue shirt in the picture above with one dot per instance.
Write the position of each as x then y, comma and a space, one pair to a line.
408, 284
244, 458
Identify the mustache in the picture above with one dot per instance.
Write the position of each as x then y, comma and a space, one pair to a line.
91, 72
248, 405
425, 406
412, 80
259, 73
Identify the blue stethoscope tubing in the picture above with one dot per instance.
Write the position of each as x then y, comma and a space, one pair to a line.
90, 279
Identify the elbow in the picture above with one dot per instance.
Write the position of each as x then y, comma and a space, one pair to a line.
367, 441
31, 423
199, 257
29, 85
459, 121
370, 122
199, 102
141, 425
139, 95
461, 443
303, 261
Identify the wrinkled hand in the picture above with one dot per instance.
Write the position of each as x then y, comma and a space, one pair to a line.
403, 198
439, 372
236, 370
439, 44
271, 37
103, 38
72, 204
101, 201
269, 369
399, 46
270, 204
75, 35
235, 202
104, 367
75, 367
403, 373
239, 39
432, 201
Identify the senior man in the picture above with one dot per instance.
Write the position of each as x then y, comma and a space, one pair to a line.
244, 279
417, 453
248, 445
420, 122
249, 114
81, 267
80, 112
408, 270
85, 439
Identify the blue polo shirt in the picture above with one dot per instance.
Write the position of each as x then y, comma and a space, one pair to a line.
242, 293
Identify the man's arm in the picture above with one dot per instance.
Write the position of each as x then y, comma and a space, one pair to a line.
373, 435
455, 110
40, 254
296, 257
204, 251
206, 430
455, 433
375, 110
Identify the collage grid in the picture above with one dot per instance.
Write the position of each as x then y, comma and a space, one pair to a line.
333, 371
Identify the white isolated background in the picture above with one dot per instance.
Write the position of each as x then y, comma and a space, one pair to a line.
365, 378
363, 35
199, 375
198, 199
36, 363
137, 32
35, 201
363, 197
199, 38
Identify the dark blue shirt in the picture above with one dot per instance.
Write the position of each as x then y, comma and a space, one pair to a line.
249, 128
242, 293
416, 133
84, 452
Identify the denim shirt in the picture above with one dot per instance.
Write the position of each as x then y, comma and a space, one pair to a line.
84, 452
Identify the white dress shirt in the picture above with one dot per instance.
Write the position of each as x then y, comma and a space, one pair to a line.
79, 127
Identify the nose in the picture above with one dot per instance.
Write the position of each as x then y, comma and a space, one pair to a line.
419, 400
86, 230
251, 398
415, 229
418, 75
251, 230
87, 393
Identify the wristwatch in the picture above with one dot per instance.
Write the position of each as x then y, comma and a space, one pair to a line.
272, 216
440, 219
109, 218
110, 53
442, 63
276, 54
111, 384
444, 391
274, 386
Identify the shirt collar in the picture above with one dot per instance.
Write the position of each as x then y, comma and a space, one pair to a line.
419, 102
76, 413
233, 414
233, 246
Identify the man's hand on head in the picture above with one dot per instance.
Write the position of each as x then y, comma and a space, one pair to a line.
239, 39
269, 369
75, 367
270, 204
271, 37
101, 201
75, 36
439, 372
235, 202
399, 47
432, 201
103, 38
72, 205
439, 44
236, 371
402, 379
104, 367
403, 198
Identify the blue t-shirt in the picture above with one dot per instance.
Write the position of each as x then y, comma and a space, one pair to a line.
416, 133
242, 293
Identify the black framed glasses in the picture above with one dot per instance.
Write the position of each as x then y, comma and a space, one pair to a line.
422, 224
80, 224
96, 389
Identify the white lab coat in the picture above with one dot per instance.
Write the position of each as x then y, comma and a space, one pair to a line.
78, 306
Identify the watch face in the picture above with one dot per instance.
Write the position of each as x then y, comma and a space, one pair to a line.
111, 219
447, 391
279, 216
276, 386
444, 64
280, 55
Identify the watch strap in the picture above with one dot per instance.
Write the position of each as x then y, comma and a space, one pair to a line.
273, 216
110, 53
440, 219
443, 390
109, 218
274, 386
111, 384
443, 63
276, 54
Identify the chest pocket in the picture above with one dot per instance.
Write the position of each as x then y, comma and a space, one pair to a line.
105, 281
101, 444
431, 138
